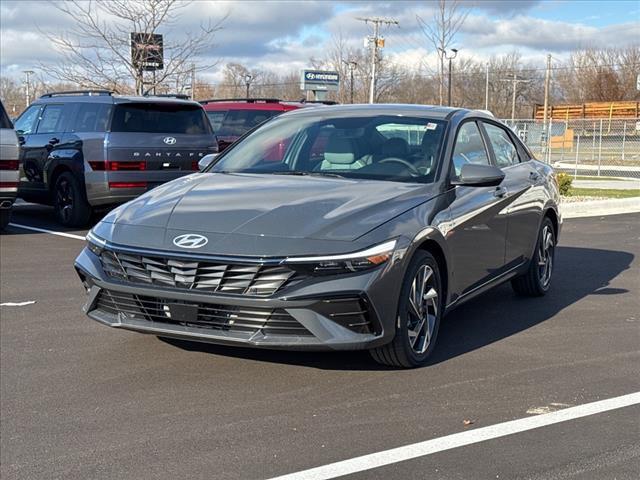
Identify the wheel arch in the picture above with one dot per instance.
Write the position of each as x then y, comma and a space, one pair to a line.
433, 241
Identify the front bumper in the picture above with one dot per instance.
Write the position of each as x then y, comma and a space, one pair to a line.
319, 313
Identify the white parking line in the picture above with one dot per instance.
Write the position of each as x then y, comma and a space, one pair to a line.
408, 452
44, 230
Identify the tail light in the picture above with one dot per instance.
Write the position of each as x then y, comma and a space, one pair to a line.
194, 165
127, 184
9, 164
8, 184
118, 166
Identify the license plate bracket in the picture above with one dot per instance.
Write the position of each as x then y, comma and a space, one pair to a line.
182, 312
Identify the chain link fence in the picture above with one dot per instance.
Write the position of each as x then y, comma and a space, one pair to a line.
592, 147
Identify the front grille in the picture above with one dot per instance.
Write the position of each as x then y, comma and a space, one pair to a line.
251, 279
269, 321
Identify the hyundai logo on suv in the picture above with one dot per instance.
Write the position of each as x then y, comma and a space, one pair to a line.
169, 140
190, 240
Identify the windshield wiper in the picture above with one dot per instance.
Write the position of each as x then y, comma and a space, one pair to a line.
309, 174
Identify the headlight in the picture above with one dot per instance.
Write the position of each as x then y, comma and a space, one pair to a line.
344, 263
95, 243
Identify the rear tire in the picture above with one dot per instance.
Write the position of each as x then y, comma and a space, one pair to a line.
418, 318
5, 218
69, 201
535, 282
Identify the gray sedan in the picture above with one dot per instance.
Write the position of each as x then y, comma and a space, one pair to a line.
346, 227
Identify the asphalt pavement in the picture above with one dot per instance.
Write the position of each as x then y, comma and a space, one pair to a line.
81, 401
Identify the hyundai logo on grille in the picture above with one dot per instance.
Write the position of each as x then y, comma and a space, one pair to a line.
190, 240
169, 140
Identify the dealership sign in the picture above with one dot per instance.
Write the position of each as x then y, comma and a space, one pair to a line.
147, 51
319, 80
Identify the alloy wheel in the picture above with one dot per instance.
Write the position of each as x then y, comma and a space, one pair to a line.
545, 255
422, 309
64, 199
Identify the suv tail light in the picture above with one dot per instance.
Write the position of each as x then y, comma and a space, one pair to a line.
9, 164
194, 165
118, 166
127, 184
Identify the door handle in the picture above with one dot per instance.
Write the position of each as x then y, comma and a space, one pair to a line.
535, 176
500, 192
54, 140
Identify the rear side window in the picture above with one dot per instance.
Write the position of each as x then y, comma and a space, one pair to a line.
160, 118
238, 122
27, 121
91, 117
53, 118
469, 147
503, 148
5, 122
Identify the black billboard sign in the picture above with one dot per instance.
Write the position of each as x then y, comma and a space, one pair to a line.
147, 51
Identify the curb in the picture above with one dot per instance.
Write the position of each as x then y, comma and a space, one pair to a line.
595, 208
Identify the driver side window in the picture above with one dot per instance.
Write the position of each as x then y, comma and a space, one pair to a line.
469, 147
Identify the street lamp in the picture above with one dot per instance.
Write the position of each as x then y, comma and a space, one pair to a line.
450, 58
352, 65
247, 81
28, 74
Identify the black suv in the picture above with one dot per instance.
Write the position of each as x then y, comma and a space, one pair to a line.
86, 150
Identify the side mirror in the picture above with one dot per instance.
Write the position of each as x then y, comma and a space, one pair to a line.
206, 161
473, 175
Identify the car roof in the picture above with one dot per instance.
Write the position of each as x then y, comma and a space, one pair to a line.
250, 104
430, 111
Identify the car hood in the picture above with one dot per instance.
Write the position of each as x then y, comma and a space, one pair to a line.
233, 207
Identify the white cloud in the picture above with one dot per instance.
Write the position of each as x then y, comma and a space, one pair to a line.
282, 36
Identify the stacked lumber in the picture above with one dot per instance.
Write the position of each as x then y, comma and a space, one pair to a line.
608, 110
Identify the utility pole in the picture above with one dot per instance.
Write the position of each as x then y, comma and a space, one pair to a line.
486, 88
375, 42
515, 81
547, 80
352, 65
247, 82
28, 74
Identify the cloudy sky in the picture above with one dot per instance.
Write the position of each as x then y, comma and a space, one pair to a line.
283, 35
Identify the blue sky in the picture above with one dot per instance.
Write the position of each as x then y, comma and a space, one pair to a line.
281, 35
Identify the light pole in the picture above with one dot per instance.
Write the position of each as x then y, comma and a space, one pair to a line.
28, 74
450, 58
352, 65
247, 81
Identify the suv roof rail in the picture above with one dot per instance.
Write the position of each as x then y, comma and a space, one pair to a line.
180, 96
77, 92
248, 100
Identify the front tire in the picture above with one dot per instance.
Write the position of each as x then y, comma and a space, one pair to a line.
69, 201
535, 282
418, 319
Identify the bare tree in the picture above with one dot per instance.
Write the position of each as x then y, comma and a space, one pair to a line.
440, 30
96, 51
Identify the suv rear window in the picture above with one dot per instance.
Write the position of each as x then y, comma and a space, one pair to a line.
160, 118
238, 122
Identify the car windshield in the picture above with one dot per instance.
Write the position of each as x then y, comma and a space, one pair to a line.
382, 147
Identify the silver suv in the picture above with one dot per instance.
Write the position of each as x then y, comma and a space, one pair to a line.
8, 167
87, 150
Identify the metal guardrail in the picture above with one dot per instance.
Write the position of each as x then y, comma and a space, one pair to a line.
597, 147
